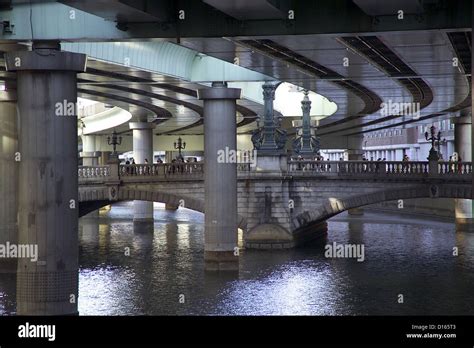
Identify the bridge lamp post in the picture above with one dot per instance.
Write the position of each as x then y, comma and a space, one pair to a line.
433, 137
306, 144
114, 140
179, 145
269, 139
439, 143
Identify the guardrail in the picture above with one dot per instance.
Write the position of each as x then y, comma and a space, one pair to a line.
395, 168
450, 168
93, 171
161, 169
194, 170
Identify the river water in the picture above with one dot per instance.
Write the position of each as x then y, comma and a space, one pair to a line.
164, 271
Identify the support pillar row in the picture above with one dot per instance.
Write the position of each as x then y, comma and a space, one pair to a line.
220, 179
48, 182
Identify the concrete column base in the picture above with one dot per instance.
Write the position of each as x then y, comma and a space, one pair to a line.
465, 225
464, 215
143, 211
221, 261
171, 206
143, 226
356, 211
47, 292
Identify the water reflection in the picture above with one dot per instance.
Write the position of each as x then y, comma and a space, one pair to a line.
403, 255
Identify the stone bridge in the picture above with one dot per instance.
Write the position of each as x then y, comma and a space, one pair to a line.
279, 209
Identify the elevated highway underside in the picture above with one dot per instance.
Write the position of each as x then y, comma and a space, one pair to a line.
420, 60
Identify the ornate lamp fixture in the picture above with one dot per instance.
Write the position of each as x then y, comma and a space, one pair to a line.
114, 140
179, 145
433, 137
306, 143
270, 138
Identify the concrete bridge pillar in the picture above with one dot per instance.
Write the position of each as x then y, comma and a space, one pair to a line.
462, 145
8, 174
355, 152
90, 157
104, 157
220, 177
48, 182
142, 150
169, 156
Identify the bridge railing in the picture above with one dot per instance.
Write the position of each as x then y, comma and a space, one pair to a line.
86, 172
194, 170
141, 172
163, 170
454, 168
377, 168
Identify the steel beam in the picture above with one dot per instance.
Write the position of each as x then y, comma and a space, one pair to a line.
40, 21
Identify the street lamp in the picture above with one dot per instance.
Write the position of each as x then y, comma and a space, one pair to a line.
180, 145
114, 140
433, 156
439, 143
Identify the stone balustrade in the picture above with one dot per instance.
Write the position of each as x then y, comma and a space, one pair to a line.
360, 167
353, 169
163, 170
378, 168
453, 168
93, 171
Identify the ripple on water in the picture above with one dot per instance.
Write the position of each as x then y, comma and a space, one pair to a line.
403, 255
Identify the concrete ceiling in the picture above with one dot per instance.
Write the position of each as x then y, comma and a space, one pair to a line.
389, 7
249, 9
313, 61
439, 87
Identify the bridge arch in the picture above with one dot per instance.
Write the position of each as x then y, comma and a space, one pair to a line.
333, 206
91, 199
